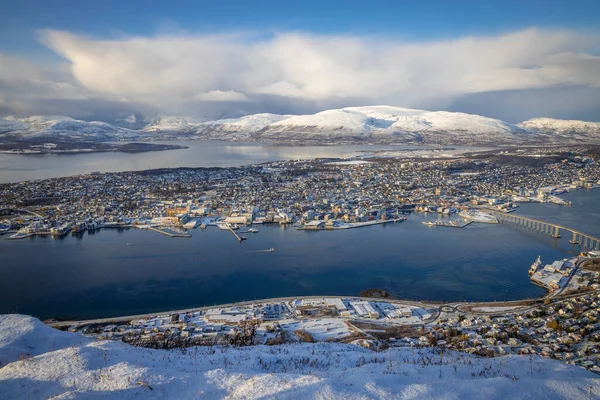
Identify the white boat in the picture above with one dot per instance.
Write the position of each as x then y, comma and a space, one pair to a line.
535, 266
252, 230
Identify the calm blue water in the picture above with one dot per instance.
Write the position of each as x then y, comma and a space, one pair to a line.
200, 153
116, 272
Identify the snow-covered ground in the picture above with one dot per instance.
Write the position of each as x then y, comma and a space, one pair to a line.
64, 365
495, 309
320, 329
559, 128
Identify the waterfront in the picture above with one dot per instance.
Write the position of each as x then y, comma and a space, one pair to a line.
200, 153
119, 272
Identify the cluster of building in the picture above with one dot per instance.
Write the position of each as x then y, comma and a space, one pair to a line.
567, 329
324, 318
553, 276
315, 193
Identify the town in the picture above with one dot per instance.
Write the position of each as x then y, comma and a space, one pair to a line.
326, 194
310, 194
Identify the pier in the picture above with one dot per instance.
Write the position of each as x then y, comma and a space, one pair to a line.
239, 239
170, 234
588, 241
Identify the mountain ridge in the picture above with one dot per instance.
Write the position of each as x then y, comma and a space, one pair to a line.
372, 124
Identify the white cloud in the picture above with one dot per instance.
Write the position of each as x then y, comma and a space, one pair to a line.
309, 67
21, 78
174, 73
220, 95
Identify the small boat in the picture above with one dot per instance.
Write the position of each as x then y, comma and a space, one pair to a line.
243, 238
272, 249
252, 230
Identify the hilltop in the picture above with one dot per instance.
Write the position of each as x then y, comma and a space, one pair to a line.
40, 362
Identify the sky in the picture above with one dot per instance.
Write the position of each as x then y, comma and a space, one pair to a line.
106, 60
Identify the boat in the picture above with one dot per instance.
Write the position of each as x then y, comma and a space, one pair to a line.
534, 267
252, 230
574, 241
272, 249
429, 223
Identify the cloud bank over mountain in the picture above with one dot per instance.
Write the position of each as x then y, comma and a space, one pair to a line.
299, 73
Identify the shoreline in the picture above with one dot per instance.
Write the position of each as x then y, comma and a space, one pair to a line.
428, 303
455, 306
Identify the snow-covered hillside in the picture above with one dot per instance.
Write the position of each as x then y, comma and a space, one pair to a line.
385, 123
39, 126
375, 124
560, 129
172, 124
238, 128
64, 365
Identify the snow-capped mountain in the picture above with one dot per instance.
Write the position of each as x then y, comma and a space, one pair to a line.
385, 123
172, 124
560, 129
62, 127
373, 124
238, 128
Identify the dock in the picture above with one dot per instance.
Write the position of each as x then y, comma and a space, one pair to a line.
239, 238
170, 234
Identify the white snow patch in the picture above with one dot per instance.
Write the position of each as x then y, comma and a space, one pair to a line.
308, 371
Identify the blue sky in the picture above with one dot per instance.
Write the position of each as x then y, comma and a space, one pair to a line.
52, 41
411, 19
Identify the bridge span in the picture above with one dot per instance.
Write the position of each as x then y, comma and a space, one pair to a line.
588, 241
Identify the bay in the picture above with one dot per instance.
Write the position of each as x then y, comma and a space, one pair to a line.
114, 272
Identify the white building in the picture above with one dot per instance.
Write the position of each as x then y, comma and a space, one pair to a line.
364, 309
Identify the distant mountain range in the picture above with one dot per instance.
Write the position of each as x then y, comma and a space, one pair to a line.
372, 124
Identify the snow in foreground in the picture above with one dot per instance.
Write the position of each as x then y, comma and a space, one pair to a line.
66, 365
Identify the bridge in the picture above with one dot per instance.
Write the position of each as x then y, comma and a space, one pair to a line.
588, 241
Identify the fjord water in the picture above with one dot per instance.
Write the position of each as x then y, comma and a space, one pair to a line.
115, 272
200, 153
